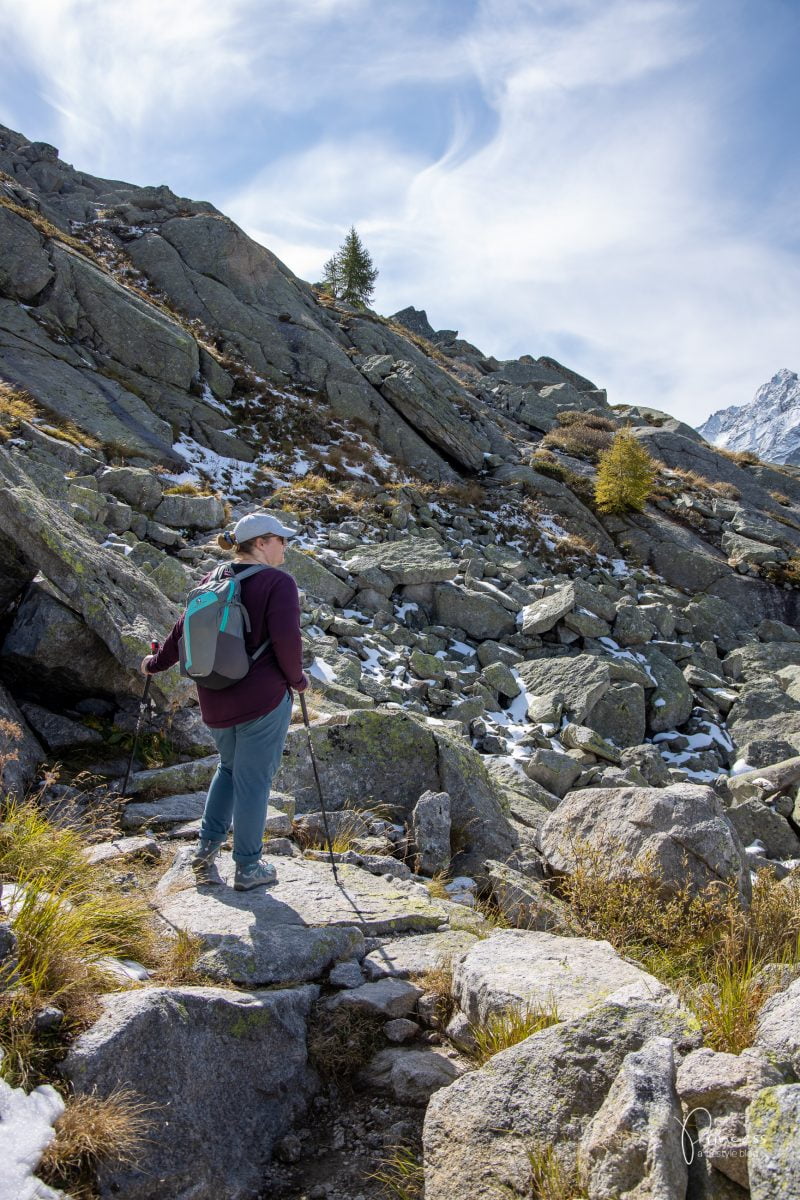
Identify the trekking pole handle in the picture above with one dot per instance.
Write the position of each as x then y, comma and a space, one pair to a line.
143, 704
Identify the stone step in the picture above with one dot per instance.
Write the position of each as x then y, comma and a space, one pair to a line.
295, 929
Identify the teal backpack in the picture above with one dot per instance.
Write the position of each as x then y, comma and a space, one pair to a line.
212, 648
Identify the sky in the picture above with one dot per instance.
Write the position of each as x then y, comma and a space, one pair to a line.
612, 183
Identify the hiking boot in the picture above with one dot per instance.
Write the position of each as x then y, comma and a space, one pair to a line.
203, 864
257, 875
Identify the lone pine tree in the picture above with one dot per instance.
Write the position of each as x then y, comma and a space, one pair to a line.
625, 475
349, 275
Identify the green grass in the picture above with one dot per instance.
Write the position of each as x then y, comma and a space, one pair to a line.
727, 1002
401, 1174
34, 849
67, 918
550, 1179
515, 1023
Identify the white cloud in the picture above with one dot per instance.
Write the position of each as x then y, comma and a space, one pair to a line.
587, 222
590, 221
115, 70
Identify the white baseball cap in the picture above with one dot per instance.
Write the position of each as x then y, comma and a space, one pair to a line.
260, 524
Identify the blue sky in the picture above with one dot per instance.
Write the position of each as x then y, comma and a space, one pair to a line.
613, 183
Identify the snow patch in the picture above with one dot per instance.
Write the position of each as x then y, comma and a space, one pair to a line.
229, 475
321, 670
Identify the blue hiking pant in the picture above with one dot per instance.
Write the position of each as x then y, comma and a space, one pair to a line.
249, 756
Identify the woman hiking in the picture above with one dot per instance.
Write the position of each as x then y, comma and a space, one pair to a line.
248, 719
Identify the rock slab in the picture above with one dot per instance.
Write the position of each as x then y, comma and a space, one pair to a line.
296, 929
680, 832
633, 1147
430, 822
543, 1091
774, 1148
180, 1048
522, 967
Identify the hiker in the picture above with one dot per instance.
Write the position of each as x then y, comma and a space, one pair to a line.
248, 719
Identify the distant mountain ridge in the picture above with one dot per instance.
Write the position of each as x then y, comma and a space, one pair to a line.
769, 425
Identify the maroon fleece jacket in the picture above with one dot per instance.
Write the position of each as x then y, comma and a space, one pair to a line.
271, 599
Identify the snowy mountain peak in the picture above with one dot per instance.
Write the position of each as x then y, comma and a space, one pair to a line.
768, 425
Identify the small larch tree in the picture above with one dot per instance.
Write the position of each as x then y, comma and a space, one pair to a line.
349, 275
625, 475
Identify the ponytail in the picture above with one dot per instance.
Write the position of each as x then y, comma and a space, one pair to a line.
227, 541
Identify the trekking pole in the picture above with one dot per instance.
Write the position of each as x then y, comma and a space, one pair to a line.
143, 705
319, 785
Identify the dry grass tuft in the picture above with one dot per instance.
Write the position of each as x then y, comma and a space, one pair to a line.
728, 490
17, 405
784, 573
731, 988
575, 546
582, 435
177, 960
94, 1131
668, 933
342, 1040
47, 228
327, 499
774, 918
422, 343
701, 483
437, 885
438, 981
314, 714
466, 493
348, 827
187, 489
592, 420
706, 945
512, 1025
742, 458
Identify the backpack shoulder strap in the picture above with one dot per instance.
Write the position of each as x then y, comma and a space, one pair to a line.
253, 570
243, 575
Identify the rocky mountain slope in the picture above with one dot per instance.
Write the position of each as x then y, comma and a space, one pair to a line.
769, 426
500, 675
